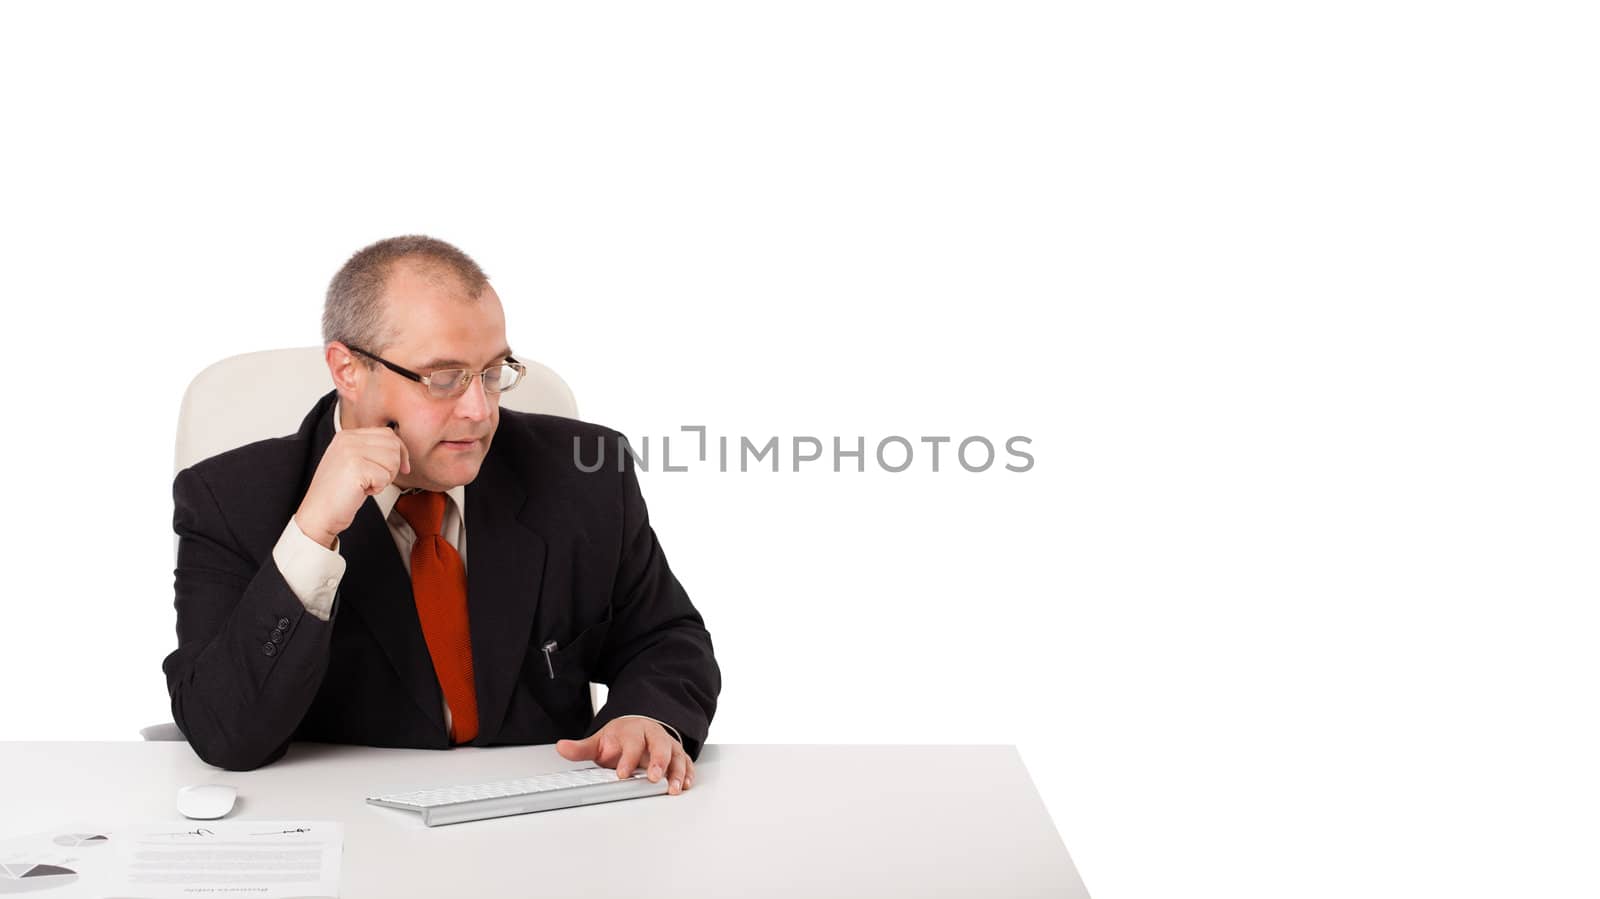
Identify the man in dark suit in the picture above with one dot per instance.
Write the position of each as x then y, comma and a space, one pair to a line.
326, 589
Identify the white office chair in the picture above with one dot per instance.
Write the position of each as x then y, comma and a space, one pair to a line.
251, 397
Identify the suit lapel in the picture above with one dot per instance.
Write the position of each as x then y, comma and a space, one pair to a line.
377, 587
505, 570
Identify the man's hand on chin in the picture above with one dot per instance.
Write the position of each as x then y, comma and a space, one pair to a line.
629, 743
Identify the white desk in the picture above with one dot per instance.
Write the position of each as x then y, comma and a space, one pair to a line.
808, 821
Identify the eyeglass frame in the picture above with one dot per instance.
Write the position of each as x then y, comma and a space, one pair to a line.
521, 370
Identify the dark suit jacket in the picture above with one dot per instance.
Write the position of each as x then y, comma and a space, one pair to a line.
554, 553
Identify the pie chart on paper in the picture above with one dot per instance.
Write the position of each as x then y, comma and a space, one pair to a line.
27, 878
75, 840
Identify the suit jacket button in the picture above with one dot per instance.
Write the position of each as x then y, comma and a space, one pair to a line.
283, 624
277, 637
268, 649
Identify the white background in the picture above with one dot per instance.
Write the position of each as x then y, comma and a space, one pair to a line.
1297, 304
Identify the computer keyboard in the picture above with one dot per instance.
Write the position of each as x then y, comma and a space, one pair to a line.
540, 793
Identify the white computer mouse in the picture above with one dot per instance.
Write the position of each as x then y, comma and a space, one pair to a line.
206, 802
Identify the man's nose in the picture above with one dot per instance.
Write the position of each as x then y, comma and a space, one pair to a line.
473, 405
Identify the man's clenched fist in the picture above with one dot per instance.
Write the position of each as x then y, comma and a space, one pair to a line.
359, 463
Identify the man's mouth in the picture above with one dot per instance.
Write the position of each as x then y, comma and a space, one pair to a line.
460, 444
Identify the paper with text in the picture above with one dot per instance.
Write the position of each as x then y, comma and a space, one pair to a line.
266, 859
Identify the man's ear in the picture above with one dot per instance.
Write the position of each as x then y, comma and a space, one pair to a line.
347, 371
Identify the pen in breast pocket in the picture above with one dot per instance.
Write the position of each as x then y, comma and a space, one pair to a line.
549, 648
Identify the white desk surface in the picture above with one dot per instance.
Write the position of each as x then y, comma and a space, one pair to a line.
761, 820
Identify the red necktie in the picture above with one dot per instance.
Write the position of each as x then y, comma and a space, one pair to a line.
439, 583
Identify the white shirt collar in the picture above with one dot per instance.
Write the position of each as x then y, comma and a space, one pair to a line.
391, 494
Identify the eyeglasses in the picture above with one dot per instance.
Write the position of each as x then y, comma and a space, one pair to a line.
452, 382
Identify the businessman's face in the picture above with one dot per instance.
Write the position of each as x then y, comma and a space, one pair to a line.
435, 325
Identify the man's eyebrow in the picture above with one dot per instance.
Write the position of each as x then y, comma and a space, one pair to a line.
459, 363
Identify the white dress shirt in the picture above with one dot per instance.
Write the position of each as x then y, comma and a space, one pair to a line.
313, 571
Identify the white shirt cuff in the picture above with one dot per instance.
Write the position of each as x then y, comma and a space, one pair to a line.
311, 570
670, 729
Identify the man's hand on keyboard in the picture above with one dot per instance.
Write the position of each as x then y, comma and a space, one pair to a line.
629, 743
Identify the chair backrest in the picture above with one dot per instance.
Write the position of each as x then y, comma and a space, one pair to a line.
254, 396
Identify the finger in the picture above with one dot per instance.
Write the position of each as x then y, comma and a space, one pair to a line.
405, 454
394, 457
688, 779
384, 449
632, 748
677, 773
660, 752
387, 450
578, 750
374, 477
383, 471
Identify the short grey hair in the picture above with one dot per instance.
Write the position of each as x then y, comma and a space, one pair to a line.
353, 311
